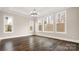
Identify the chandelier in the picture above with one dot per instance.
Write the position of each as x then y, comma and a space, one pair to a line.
34, 13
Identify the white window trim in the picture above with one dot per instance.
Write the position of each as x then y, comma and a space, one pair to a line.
65, 24
48, 31
38, 28
38, 25
4, 24
32, 24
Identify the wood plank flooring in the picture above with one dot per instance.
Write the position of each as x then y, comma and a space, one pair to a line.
37, 43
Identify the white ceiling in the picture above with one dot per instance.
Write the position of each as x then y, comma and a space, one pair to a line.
27, 10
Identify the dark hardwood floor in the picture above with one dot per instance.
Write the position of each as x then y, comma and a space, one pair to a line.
37, 43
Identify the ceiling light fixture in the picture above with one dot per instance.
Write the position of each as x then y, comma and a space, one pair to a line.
34, 13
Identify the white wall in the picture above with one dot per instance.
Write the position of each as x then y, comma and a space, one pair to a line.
20, 25
72, 27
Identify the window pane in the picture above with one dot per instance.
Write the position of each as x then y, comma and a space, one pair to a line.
60, 21
48, 27
31, 25
8, 24
30, 28
48, 24
60, 27
40, 25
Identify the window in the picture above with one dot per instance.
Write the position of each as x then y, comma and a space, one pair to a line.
40, 25
8, 24
31, 26
61, 22
48, 24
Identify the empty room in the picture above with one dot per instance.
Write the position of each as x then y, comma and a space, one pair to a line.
39, 29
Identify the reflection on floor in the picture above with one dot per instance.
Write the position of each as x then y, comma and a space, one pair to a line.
37, 43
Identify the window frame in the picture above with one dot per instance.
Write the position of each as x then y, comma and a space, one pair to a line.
31, 23
47, 18
64, 22
41, 20
4, 24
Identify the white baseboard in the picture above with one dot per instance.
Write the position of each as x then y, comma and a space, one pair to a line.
14, 36
66, 39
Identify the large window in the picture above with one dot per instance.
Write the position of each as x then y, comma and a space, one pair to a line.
31, 26
51, 24
40, 25
8, 24
61, 22
48, 24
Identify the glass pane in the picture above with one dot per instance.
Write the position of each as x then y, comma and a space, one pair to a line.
48, 27
60, 21
40, 27
8, 24
48, 24
30, 28
60, 27
31, 25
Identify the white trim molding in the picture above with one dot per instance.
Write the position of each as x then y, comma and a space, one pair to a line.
64, 22
60, 38
1, 38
